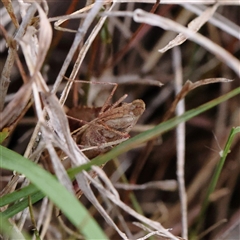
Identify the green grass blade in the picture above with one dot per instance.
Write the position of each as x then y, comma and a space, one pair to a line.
9, 232
48, 184
216, 175
17, 195
20, 206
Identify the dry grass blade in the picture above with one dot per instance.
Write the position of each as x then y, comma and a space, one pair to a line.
180, 141
7, 69
167, 24
189, 86
194, 25
217, 20
112, 195
45, 38
35, 49
44, 216
84, 186
152, 233
49, 135
59, 124
57, 165
93, 12
10, 9
168, 185
28, 42
78, 39
70, 16
15, 108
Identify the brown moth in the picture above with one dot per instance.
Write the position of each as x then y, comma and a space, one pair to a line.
110, 125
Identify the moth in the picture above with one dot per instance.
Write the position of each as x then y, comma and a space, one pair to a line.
103, 128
